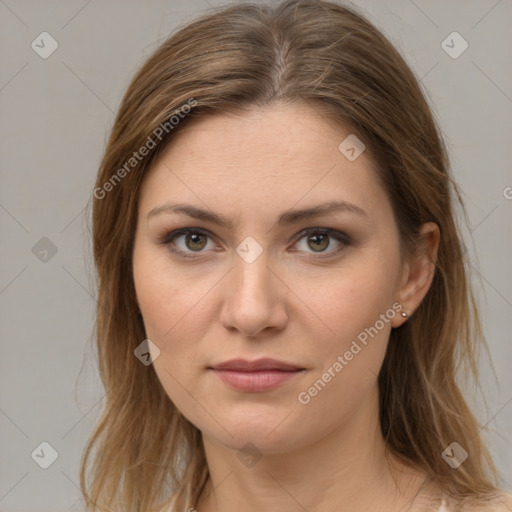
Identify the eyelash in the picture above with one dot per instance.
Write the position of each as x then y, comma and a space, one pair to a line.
341, 237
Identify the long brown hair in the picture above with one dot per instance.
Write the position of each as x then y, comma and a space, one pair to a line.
148, 456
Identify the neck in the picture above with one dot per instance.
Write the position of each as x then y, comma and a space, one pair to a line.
346, 470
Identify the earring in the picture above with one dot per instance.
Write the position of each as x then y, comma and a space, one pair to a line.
404, 314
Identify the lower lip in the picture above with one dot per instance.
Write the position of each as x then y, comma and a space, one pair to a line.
263, 380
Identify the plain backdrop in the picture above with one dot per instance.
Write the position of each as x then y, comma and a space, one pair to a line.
56, 113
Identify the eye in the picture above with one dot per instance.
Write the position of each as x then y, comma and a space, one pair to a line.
317, 239
195, 240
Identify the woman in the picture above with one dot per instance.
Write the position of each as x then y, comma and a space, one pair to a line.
282, 298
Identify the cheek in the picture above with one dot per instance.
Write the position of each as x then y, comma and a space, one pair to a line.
170, 307
355, 307
165, 297
176, 308
345, 301
359, 312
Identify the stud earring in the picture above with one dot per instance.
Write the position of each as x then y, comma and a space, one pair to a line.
404, 314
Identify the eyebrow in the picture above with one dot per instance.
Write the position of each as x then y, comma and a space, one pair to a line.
287, 217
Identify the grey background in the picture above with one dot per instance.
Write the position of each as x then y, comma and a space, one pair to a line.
56, 114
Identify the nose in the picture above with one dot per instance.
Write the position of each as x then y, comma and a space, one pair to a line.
254, 298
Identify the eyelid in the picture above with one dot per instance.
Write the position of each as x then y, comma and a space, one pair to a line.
343, 238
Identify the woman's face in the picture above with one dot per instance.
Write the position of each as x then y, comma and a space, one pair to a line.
267, 283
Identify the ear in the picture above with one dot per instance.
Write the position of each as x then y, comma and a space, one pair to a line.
418, 271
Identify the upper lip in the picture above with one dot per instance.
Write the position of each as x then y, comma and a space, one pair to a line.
260, 364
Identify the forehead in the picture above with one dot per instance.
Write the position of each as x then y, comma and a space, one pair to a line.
281, 133
270, 158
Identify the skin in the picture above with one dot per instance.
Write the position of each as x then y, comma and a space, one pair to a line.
289, 304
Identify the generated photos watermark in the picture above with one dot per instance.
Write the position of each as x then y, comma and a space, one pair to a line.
151, 142
304, 397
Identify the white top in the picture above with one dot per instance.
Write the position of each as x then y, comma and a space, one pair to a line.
443, 508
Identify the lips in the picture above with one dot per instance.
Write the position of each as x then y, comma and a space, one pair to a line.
242, 365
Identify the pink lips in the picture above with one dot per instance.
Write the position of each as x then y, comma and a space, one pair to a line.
256, 376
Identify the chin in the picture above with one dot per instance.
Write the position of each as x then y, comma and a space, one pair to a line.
271, 436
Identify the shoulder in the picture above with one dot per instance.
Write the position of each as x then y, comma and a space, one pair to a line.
501, 501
